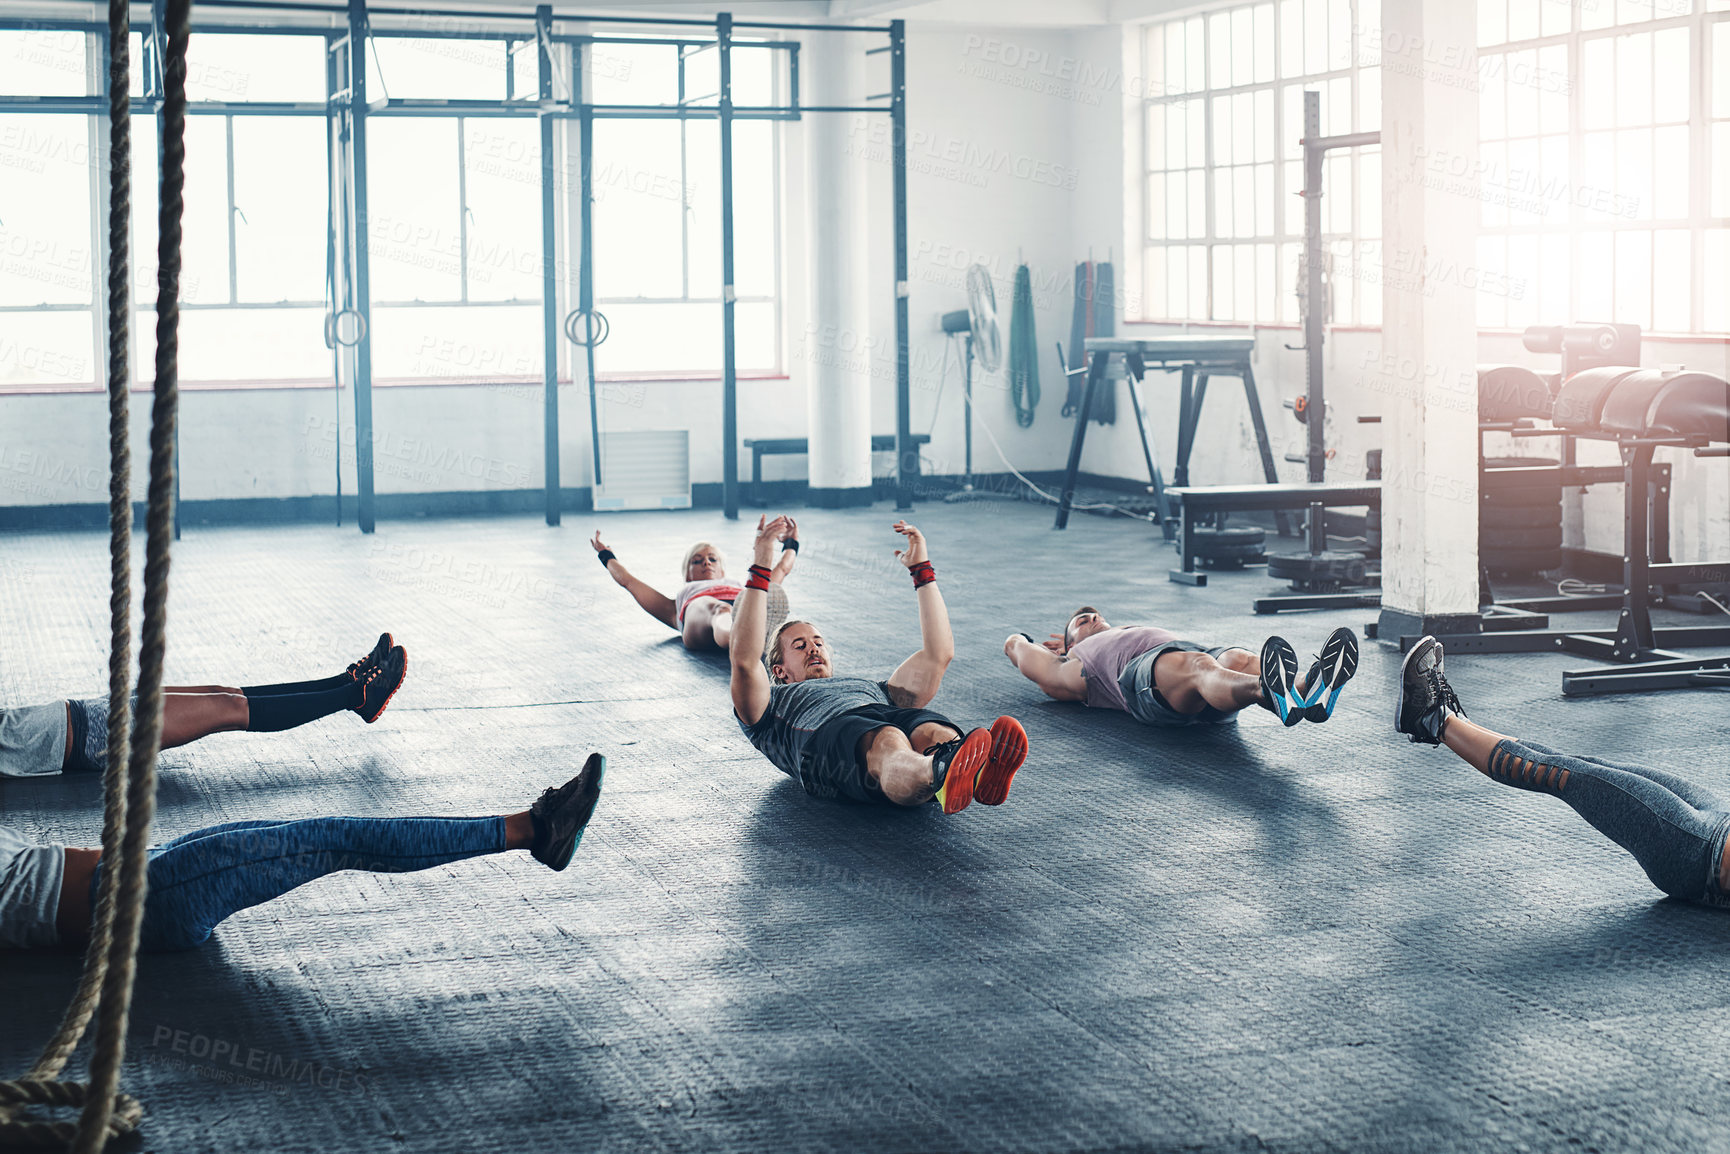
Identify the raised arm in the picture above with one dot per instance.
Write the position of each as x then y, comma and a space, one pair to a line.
916, 682
655, 603
789, 553
1060, 677
750, 681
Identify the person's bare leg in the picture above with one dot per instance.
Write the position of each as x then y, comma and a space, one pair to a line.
1471, 741
700, 633
902, 773
519, 831
721, 625
1190, 681
186, 717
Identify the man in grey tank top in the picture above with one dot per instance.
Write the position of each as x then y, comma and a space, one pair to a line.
1159, 679
854, 737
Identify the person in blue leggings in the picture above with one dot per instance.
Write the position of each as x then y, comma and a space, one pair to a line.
1675, 828
48, 892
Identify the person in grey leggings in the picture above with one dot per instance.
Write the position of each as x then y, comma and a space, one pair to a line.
1675, 828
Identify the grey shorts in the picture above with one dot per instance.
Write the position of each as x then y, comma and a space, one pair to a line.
1141, 697
32, 739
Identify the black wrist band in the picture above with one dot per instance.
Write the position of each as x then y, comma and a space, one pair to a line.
1030, 640
791, 543
607, 555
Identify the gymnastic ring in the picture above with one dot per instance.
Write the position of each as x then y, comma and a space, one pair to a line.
589, 318
332, 322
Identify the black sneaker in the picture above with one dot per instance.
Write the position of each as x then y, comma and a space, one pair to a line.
560, 815
382, 684
1279, 665
362, 669
1336, 665
1426, 698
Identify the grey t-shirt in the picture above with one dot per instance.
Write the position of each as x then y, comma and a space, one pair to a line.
32, 739
798, 710
30, 877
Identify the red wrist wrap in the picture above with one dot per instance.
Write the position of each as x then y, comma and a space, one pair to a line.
759, 578
923, 574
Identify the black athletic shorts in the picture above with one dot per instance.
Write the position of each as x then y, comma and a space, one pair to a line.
833, 765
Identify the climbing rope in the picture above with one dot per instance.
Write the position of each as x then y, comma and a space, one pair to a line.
105, 990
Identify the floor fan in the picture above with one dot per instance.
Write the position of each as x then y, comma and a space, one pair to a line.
977, 323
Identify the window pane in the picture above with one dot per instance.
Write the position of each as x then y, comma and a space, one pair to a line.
1222, 284
1263, 43
703, 210
1492, 98
1222, 137
1243, 208
1337, 193
1370, 100
414, 238
204, 250
1155, 147
1633, 285
1156, 207
1367, 268
1315, 36
1153, 276
1671, 73
1265, 308
45, 238
1721, 169
663, 338
1222, 201
1716, 304
490, 343
1523, 19
1243, 46
1176, 205
1176, 150
1198, 283
754, 241
1194, 41
503, 192
1264, 139
1243, 128
1339, 34
1291, 37
45, 349
1175, 78
43, 62
1634, 172
1177, 282
1219, 50
754, 75
1196, 132
1596, 196
1197, 204
433, 69
1670, 173
1634, 79
1522, 93
1672, 256
1492, 261
639, 209
280, 199
702, 75
1492, 22
1597, 271
1554, 18
1554, 285
1598, 83
243, 345
1492, 191
1553, 88
633, 73
1721, 68
225, 67
1521, 281
1370, 194
1264, 200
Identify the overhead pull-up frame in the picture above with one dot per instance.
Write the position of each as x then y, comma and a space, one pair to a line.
348, 108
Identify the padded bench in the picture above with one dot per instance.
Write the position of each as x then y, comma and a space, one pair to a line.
1191, 502
785, 446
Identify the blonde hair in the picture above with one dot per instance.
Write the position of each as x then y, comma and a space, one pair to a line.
691, 553
775, 653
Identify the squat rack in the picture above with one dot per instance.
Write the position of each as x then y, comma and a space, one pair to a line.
348, 109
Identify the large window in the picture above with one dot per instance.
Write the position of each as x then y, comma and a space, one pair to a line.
1606, 160
657, 212
1223, 223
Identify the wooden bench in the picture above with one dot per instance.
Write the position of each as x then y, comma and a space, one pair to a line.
785, 446
1191, 502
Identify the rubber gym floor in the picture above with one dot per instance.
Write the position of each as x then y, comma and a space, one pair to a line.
1319, 938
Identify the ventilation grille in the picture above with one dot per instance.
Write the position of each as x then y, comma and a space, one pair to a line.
649, 469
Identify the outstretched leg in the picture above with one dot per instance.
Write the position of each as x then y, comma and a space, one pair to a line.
1677, 836
901, 766
1189, 681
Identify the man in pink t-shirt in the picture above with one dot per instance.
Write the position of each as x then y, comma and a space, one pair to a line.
1159, 679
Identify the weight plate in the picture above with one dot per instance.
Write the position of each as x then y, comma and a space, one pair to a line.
1538, 537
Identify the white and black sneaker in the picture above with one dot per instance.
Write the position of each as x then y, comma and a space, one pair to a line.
1279, 665
1426, 698
1336, 665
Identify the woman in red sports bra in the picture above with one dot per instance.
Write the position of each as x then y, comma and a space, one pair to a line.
702, 610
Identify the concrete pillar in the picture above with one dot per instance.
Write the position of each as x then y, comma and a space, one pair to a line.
1428, 380
832, 72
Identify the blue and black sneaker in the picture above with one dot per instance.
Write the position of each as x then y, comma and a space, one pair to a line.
1329, 674
1279, 665
561, 815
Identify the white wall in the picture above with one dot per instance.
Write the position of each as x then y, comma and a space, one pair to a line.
1024, 146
